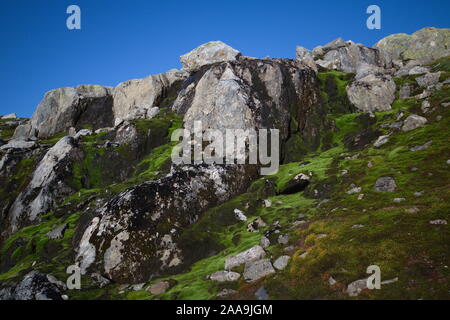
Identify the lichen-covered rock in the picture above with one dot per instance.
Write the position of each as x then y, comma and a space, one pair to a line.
252, 254
256, 270
385, 184
48, 184
426, 44
224, 276
208, 53
372, 93
413, 122
135, 236
430, 79
282, 262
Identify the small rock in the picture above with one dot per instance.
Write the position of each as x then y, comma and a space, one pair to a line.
265, 242
413, 122
438, 118
267, 203
369, 164
414, 169
412, 210
137, 287
261, 294
303, 255
331, 281
281, 262
389, 281
425, 106
419, 193
100, 280
398, 200
225, 276
226, 292
354, 190
289, 249
385, 184
283, 239
344, 172
252, 254
430, 79
297, 223
65, 297
381, 141
57, 233
321, 235
438, 221
355, 288
159, 287
421, 147
10, 116
357, 226
240, 215
255, 225
361, 196
417, 70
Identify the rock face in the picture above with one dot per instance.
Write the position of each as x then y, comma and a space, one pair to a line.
34, 286
208, 53
47, 185
372, 93
426, 44
135, 98
69, 107
136, 234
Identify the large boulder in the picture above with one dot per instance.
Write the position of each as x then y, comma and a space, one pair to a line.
135, 98
34, 286
208, 53
69, 107
372, 93
136, 235
427, 44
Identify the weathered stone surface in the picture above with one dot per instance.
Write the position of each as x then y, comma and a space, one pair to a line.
240, 215
282, 262
208, 53
224, 276
34, 286
413, 122
426, 44
252, 254
159, 287
355, 288
382, 140
69, 107
9, 116
421, 147
137, 98
265, 242
58, 232
430, 79
385, 184
372, 93
128, 242
19, 144
48, 184
256, 270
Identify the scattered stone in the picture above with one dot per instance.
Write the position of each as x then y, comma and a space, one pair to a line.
438, 221
138, 287
57, 233
226, 292
355, 288
252, 254
369, 164
224, 276
282, 262
65, 297
265, 242
331, 281
303, 255
413, 122
419, 193
412, 210
357, 226
418, 70
289, 249
414, 169
430, 79
405, 92
261, 294
425, 106
354, 190
256, 270
283, 239
385, 184
19, 144
381, 141
361, 196
321, 235
240, 215
159, 287
421, 147
398, 200
100, 280
267, 203
256, 225
344, 172
439, 118
297, 223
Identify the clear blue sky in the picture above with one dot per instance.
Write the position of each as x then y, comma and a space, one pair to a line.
122, 40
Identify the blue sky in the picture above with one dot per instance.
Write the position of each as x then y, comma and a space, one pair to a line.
122, 40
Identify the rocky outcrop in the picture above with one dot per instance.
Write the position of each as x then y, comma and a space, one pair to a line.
427, 44
372, 93
208, 53
34, 286
135, 236
69, 107
48, 184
